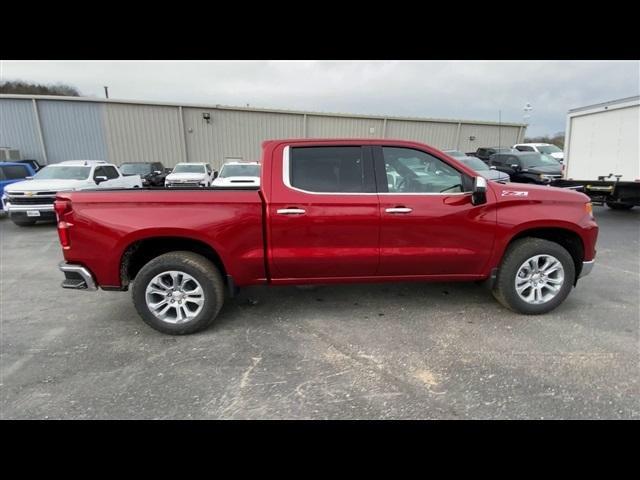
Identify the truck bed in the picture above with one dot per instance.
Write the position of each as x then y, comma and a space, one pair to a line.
230, 221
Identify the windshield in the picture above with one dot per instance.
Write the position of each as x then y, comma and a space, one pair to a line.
135, 168
186, 168
548, 149
475, 163
63, 173
537, 160
455, 153
240, 171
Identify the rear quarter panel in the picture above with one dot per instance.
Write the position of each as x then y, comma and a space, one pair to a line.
105, 224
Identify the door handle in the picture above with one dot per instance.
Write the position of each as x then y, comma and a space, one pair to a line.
291, 211
399, 210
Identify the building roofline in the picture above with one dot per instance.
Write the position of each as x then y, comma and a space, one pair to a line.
606, 104
256, 109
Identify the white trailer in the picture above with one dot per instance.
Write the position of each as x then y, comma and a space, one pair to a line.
602, 152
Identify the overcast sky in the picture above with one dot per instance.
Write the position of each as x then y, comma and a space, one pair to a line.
474, 90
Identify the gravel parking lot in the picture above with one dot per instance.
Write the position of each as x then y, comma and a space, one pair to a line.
410, 350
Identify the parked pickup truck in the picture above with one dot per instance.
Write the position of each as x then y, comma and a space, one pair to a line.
32, 200
326, 213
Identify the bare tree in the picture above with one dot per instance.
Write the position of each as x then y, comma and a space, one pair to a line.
29, 88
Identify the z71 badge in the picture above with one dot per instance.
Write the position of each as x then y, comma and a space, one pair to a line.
514, 193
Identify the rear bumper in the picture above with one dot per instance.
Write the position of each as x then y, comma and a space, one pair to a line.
586, 268
77, 277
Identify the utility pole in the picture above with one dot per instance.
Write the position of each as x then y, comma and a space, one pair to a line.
499, 128
106, 92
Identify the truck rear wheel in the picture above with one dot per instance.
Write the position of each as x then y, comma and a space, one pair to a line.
619, 206
178, 293
535, 276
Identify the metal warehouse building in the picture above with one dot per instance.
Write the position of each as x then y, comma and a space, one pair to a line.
52, 129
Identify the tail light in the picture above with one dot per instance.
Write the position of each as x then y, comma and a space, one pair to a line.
63, 207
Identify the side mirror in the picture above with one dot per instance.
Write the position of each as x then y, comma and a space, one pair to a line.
157, 172
99, 179
479, 195
168, 170
215, 174
515, 166
492, 167
28, 178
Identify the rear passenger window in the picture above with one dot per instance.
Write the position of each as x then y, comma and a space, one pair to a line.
330, 170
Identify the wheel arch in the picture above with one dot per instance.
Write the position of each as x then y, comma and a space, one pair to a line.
141, 251
565, 237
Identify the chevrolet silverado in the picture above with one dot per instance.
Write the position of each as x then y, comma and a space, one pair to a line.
327, 211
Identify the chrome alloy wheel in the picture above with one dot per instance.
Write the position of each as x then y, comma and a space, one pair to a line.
539, 279
174, 297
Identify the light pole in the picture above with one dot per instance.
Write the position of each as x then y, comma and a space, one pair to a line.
499, 128
527, 108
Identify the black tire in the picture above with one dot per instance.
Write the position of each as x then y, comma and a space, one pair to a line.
23, 222
205, 272
619, 206
518, 252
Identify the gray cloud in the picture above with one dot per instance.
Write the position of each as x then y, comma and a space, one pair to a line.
455, 89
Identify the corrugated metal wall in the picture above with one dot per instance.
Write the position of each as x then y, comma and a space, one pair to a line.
122, 132
235, 134
144, 133
72, 130
343, 127
19, 129
438, 135
487, 136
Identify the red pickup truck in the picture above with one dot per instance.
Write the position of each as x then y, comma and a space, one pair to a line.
327, 211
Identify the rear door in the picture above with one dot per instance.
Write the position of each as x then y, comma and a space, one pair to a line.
428, 225
323, 214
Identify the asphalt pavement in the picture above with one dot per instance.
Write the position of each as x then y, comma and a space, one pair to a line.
383, 351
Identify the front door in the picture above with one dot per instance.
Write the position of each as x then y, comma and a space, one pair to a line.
323, 215
428, 225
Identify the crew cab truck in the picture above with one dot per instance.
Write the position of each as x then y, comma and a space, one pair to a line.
326, 213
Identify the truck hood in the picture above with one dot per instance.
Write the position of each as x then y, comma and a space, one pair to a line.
187, 177
236, 181
527, 192
46, 185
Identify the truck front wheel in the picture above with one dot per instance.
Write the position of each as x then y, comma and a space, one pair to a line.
178, 293
535, 276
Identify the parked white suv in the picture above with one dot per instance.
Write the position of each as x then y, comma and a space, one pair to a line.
32, 200
190, 175
238, 174
544, 148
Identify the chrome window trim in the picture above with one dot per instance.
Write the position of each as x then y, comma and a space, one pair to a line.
287, 182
